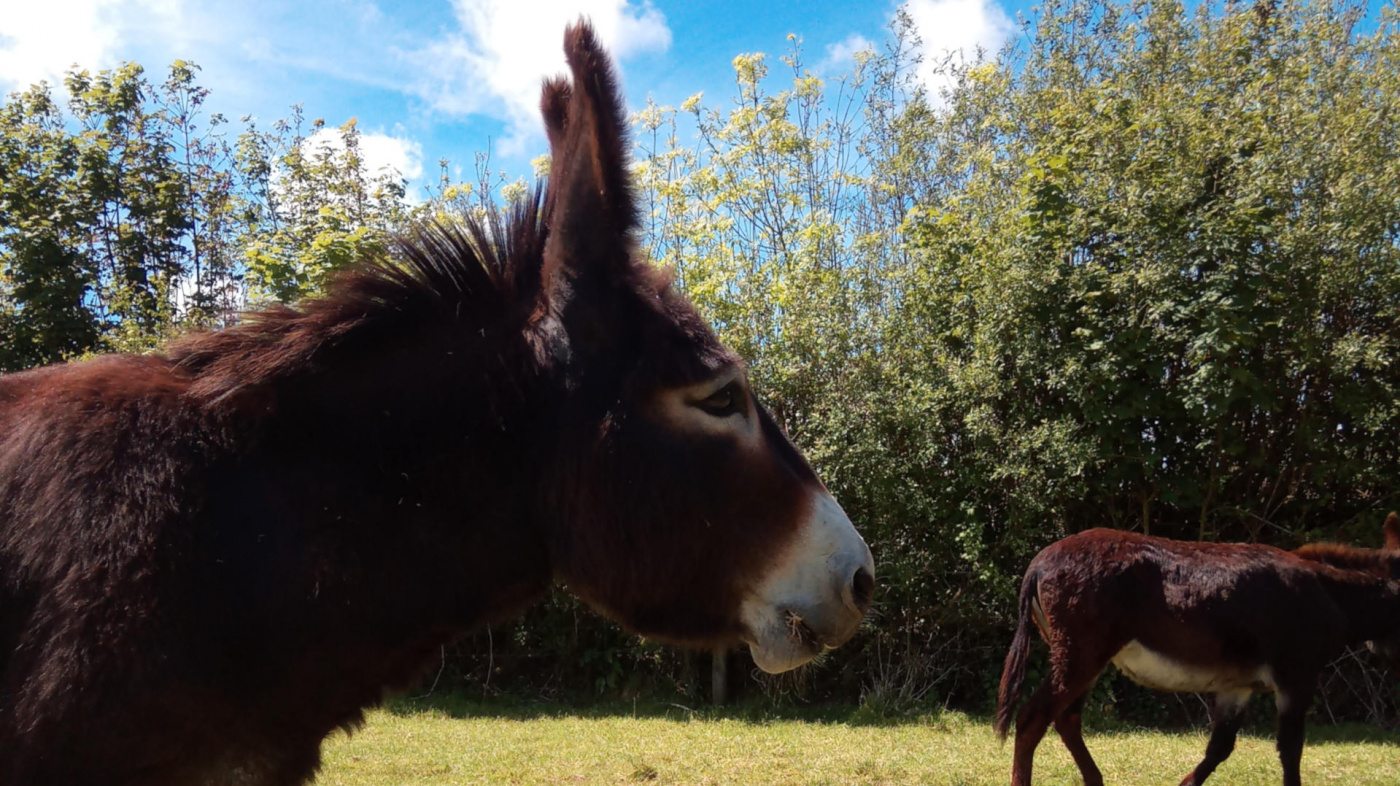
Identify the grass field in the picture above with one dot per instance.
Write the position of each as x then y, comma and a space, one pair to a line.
452, 741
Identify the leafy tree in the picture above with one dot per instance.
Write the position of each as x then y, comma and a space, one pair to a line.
1137, 270
309, 206
126, 169
210, 292
46, 277
1169, 297
132, 216
114, 219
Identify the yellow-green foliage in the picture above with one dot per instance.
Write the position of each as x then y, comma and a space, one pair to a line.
311, 207
1139, 270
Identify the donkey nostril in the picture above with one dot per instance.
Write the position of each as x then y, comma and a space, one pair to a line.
862, 589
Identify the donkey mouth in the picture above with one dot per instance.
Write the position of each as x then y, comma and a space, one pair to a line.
801, 633
786, 642
814, 595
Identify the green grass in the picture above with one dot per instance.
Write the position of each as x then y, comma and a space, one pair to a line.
453, 741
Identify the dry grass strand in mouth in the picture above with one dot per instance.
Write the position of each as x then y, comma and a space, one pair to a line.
798, 629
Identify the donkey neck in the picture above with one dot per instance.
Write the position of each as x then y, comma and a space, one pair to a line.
412, 454
1369, 603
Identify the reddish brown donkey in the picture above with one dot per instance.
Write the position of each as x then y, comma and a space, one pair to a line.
1228, 619
212, 558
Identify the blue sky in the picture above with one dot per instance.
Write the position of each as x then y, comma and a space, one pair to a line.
440, 78
443, 78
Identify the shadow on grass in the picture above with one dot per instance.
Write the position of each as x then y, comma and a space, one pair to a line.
507, 708
455, 705
1260, 728
1347, 734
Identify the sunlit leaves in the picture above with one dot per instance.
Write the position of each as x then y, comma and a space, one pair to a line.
311, 206
1138, 270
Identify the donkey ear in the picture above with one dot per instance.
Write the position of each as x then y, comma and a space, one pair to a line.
554, 106
1392, 532
593, 215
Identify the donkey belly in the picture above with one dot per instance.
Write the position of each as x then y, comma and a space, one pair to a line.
1152, 669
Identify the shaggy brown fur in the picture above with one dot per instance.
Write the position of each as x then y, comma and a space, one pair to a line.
212, 558
1384, 561
1247, 617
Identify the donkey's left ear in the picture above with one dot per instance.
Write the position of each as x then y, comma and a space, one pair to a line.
592, 211
554, 107
1392, 532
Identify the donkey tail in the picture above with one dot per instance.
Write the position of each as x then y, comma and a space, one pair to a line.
1014, 672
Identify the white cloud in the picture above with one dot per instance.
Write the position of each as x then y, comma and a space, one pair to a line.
44, 38
494, 64
405, 156
842, 54
959, 27
379, 151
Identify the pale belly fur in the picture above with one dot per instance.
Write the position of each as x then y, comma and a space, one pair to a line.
1155, 670
1152, 669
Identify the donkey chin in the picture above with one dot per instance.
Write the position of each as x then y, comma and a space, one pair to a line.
815, 595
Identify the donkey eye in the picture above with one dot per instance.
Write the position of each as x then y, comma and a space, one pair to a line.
724, 402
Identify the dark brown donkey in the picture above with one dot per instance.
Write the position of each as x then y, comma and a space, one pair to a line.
1228, 619
212, 558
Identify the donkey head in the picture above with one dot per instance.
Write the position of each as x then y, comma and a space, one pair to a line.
1383, 564
1389, 647
675, 503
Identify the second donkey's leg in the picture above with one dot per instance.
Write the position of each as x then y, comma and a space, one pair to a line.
1292, 708
1069, 726
1225, 718
1072, 671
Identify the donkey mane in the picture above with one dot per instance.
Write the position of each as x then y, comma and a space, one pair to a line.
1384, 561
1339, 555
472, 271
